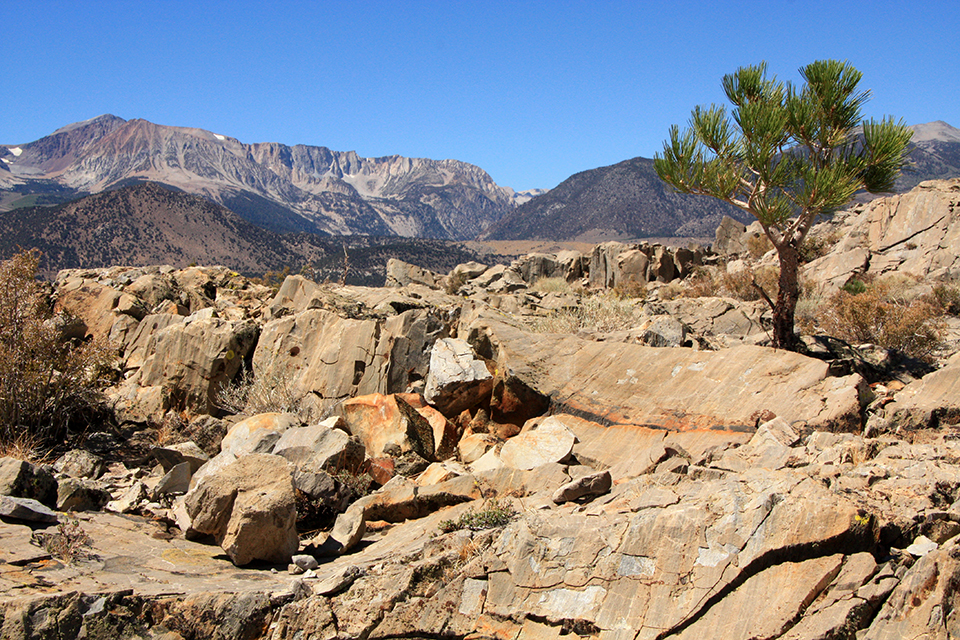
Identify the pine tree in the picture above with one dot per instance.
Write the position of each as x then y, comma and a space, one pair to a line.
786, 155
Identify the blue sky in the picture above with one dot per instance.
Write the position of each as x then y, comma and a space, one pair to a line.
532, 92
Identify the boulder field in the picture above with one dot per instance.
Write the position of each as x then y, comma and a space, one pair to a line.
416, 461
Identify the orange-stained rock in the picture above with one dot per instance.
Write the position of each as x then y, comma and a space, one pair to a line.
387, 425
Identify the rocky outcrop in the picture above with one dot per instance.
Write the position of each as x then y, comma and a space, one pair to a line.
194, 359
911, 234
590, 484
615, 264
299, 188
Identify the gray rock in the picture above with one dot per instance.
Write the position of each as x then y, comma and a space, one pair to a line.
729, 237
79, 463
664, 331
401, 273
595, 484
175, 481
249, 508
21, 479
257, 434
305, 561
550, 442
922, 546
323, 446
457, 379
347, 533
26, 509
129, 500
75, 494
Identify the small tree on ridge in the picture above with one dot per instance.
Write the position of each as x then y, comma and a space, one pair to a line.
786, 155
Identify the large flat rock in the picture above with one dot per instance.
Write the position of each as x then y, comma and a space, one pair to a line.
125, 552
676, 389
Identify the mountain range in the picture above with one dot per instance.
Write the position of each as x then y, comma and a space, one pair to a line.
628, 200
286, 189
147, 224
309, 189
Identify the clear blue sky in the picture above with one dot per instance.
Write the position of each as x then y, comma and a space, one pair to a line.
532, 92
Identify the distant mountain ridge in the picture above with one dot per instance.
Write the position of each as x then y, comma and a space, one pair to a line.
284, 188
628, 200
147, 224
623, 201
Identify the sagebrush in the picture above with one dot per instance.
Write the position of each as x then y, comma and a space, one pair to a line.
491, 516
48, 383
876, 315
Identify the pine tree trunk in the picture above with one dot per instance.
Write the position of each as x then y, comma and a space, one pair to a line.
783, 311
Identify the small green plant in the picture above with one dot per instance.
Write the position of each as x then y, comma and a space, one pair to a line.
491, 516
68, 543
854, 286
360, 482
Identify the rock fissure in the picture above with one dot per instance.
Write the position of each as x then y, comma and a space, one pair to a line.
848, 542
911, 236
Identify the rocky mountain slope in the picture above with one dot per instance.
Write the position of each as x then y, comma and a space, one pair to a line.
149, 224
622, 201
283, 188
935, 155
628, 200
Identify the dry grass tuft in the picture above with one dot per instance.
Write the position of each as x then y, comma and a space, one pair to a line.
601, 312
270, 392
553, 285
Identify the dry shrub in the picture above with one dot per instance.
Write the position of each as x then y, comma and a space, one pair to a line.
809, 309
172, 429
631, 288
270, 392
454, 282
28, 447
947, 297
552, 285
68, 543
758, 245
876, 316
818, 245
742, 285
704, 282
601, 312
671, 290
48, 384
